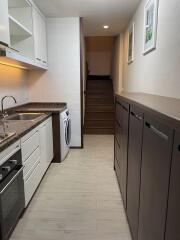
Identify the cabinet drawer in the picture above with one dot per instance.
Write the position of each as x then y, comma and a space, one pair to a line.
29, 144
29, 163
32, 183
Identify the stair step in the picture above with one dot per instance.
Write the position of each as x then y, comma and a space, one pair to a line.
99, 89
100, 108
99, 124
99, 115
99, 103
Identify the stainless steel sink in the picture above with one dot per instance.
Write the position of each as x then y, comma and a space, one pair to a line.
5, 136
24, 116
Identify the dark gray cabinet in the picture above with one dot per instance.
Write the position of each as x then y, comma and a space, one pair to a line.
121, 132
147, 165
134, 168
155, 173
173, 216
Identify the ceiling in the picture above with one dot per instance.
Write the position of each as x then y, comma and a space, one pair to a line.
95, 13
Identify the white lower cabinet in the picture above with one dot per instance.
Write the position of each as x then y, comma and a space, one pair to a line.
46, 144
31, 183
37, 154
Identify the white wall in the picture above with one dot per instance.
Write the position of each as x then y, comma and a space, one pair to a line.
99, 63
61, 83
13, 81
117, 68
159, 71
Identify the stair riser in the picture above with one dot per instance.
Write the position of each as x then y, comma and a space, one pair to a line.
100, 124
99, 108
99, 115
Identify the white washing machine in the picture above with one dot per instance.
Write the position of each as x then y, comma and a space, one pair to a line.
65, 133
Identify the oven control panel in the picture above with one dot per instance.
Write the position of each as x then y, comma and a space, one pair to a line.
10, 165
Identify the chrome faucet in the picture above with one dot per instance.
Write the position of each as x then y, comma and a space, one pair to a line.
3, 113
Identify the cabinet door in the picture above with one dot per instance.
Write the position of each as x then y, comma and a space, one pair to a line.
173, 216
49, 142
4, 23
40, 47
44, 150
155, 173
44, 44
46, 143
37, 36
123, 121
134, 168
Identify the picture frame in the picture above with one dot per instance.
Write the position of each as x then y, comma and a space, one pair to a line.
130, 54
150, 26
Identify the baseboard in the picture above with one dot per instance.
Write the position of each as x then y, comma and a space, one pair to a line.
73, 147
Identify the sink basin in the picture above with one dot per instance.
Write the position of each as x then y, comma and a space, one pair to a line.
5, 136
24, 116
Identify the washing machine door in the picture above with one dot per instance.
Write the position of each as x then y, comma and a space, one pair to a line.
68, 131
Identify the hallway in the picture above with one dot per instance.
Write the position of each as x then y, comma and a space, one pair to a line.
78, 199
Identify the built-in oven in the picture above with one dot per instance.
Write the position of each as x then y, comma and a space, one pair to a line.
12, 199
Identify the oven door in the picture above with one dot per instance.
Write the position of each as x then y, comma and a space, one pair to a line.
11, 201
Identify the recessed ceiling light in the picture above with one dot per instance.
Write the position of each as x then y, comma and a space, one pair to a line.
105, 26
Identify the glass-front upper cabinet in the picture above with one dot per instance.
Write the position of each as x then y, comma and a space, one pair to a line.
21, 27
4, 23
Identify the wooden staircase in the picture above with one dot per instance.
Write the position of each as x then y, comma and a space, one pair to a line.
99, 116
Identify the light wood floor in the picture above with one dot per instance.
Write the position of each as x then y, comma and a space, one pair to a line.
78, 199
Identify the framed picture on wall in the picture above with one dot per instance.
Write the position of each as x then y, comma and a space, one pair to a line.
150, 25
130, 58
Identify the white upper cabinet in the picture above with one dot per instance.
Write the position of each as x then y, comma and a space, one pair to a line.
4, 22
23, 29
39, 26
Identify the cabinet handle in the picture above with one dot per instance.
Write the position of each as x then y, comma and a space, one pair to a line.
136, 116
4, 44
156, 131
38, 59
179, 148
124, 108
118, 103
14, 49
44, 62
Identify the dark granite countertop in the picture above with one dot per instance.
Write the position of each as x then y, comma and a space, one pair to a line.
168, 108
47, 107
21, 128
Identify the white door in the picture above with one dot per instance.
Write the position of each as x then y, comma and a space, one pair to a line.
4, 22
